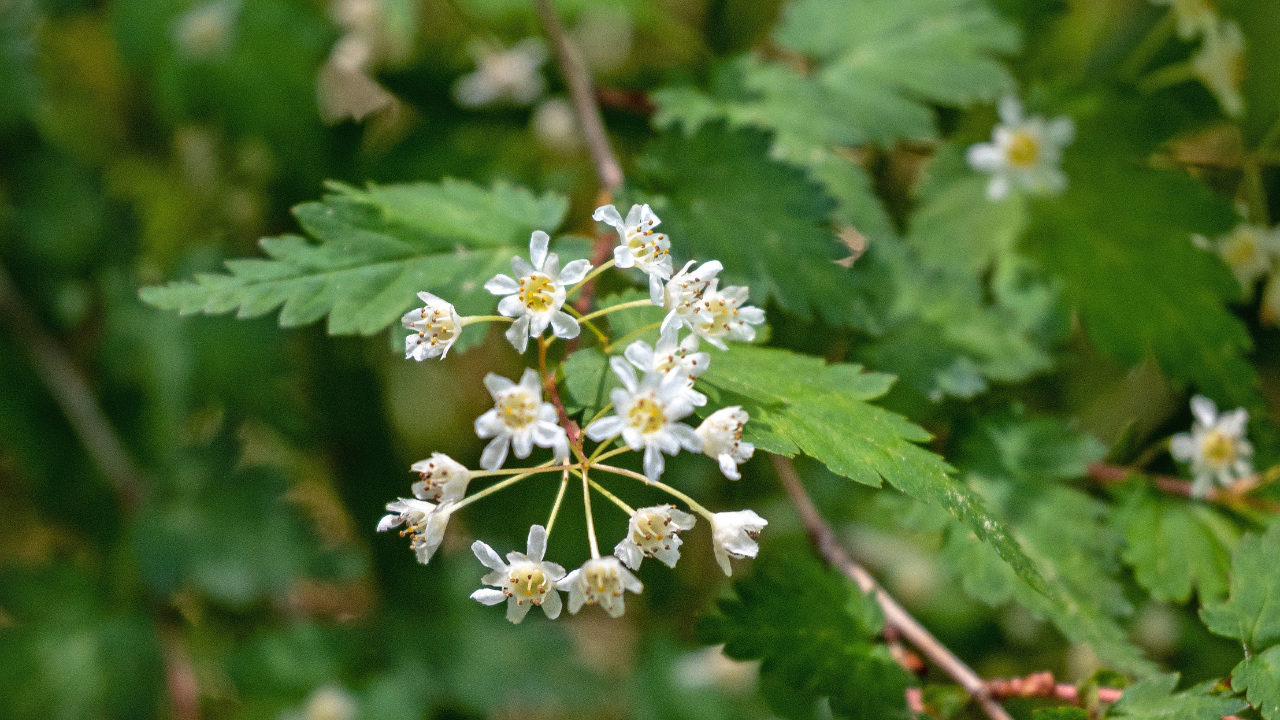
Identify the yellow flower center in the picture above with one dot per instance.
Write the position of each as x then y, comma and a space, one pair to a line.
1023, 150
1218, 448
528, 581
537, 292
518, 410
601, 581
647, 416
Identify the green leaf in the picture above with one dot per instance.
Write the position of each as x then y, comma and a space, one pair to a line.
798, 404
588, 379
376, 249
794, 614
723, 198
1259, 677
1060, 713
1175, 546
1252, 613
1154, 699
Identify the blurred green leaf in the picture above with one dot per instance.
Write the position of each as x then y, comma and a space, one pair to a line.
1154, 699
1252, 613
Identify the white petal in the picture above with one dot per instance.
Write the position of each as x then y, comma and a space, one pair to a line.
537, 543
518, 334
1060, 131
511, 306
608, 214
574, 272
538, 243
1205, 410
640, 355
1182, 447
629, 553
622, 257
389, 521
653, 462
488, 596
530, 382
624, 372
605, 427
1233, 423
502, 285
521, 267
516, 610
495, 453
1010, 110
729, 467
656, 294
564, 326
487, 556
998, 187
522, 444
495, 383
688, 437
551, 604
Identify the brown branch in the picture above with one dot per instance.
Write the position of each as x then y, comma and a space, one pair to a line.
549, 382
180, 678
70, 390
635, 101
1234, 495
1042, 685
581, 93
895, 616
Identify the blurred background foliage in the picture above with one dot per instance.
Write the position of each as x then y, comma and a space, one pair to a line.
232, 571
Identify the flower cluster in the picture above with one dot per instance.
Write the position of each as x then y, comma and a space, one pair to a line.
1215, 448
1024, 152
648, 413
1219, 61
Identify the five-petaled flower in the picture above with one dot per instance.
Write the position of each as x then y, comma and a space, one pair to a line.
720, 315
600, 581
435, 327
733, 534
654, 532
1249, 250
1023, 152
524, 580
425, 524
647, 414
443, 479
538, 293
639, 246
519, 420
1216, 447
721, 435
670, 355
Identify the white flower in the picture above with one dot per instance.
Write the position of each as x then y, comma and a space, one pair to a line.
1219, 64
720, 315
425, 524
519, 419
646, 416
503, 75
600, 581
672, 356
1023, 152
639, 245
654, 532
523, 581
1193, 16
721, 435
681, 294
536, 298
733, 535
436, 327
1249, 251
1216, 447
207, 30
443, 479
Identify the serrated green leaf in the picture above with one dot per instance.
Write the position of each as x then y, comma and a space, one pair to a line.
588, 380
793, 614
1060, 713
1259, 677
723, 198
1252, 613
377, 248
1175, 546
1154, 699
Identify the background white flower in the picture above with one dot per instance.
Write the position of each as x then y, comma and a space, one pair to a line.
721, 435
519, 420
647, 414
425, 524
1250, 251
600, 581
1193, 16
443, 479
436, 327
639, 246
1219, 64
672, 356
536, 297
654, 532
1216, 447
511, 75
1023, 152
720, 315
523, 581
733, 535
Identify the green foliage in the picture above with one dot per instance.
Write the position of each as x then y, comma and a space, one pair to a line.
1154, 699
1259, 677
1061, 713
376, 249
815, 633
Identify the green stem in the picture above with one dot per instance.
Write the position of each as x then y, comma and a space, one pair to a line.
555, 509
631, 336
616, 500
596, 456
514, 471
1167, 76
616, 308
591, 524
485, 318
1148, 47
590, 276
495, 488
598, 415
693, 504
604, 339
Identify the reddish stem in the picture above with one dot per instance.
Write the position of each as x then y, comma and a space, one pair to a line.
1235, 495
549, 382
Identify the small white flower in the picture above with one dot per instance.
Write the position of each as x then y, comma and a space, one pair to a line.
681, 294
1216, 447
503, 75
646, 415
1023, 152
436, 327
654, 532
1249, 250
720, 315
425, 524
672, 356
520, 420
1219, 64
721, 435
1193, 16
600, 581
733, 535
639, 245
207, 30
523, 581
536, 298
443, 479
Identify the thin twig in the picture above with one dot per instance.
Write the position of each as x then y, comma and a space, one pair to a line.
70, 390
1042, 685
180, 678
549, 382
895, 616
582, 93
1233, 496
